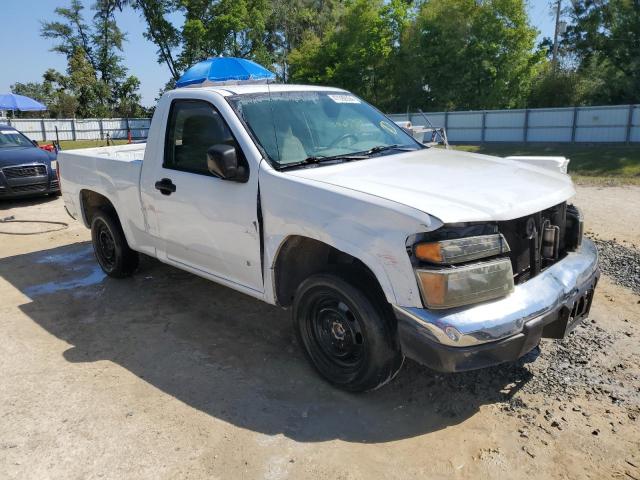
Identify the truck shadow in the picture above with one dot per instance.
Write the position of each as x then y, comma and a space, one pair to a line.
231, 356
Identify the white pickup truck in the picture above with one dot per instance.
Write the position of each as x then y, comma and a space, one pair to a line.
310, 198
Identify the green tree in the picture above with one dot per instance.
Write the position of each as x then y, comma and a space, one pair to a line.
52, 91
96, 77
71, 32
291, 21
262, 30
357, 53
107, 40
36, 90
558, 87
83, 84
225, 27
128, 104
464, 54
160, 31
604, 36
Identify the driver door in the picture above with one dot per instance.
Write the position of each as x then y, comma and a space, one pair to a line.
206, 223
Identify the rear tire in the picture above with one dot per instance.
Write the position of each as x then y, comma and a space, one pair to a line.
347, 334
110, 246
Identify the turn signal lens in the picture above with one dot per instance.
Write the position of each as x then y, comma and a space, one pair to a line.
429, 252
460, 250
457, 286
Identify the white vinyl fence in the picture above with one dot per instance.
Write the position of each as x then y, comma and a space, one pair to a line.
44, 129
620, 123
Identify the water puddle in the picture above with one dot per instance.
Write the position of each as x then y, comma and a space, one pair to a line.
95, 277
77, 268
73, 258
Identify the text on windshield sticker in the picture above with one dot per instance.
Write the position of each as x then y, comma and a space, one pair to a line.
344, 98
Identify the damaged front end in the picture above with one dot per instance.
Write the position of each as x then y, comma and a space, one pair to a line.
539, 240
492, 290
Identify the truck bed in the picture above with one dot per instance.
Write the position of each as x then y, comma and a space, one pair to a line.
113, 172
125, 153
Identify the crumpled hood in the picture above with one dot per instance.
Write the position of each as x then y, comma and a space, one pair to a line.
24, 155
451, 185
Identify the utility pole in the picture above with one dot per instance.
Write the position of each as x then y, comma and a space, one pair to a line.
554, 60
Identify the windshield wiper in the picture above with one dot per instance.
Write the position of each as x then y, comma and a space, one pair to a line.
322, 159
384, 148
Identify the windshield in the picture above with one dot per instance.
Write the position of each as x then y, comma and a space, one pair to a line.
12, 138
293, 127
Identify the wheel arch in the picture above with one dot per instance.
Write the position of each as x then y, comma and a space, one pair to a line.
299, 256
92, 201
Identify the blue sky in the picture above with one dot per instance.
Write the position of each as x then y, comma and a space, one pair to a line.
25, 55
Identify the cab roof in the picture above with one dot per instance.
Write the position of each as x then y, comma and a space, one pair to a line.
248, 88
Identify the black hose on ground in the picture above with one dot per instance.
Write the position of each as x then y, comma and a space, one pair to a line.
12, 219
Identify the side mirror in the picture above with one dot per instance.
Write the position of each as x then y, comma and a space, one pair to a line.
222, 161
35, 143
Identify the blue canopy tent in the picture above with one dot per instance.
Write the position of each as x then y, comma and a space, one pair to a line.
13, 102
224, 71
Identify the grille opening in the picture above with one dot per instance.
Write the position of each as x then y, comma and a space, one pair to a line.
24, 171
525, 238
38, 187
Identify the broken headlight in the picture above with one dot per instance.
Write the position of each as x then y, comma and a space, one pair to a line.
464, 285
448, 269
460, 250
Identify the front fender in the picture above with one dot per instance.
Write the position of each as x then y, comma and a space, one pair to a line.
343, 245
372, 229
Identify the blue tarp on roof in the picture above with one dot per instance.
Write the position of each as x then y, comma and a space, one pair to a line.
222, 70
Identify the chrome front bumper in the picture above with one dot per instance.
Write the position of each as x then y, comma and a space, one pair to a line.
559, 291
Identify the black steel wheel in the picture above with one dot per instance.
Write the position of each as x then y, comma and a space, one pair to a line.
346, 333
110, 246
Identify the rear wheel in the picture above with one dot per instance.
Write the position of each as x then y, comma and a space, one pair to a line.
346, 333
110, 246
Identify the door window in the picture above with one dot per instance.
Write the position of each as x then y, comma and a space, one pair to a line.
194, 126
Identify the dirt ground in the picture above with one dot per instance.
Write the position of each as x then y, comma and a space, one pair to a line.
166, 375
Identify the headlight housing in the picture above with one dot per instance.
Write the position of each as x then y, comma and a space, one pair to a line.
462, 265
464, 285
459, 250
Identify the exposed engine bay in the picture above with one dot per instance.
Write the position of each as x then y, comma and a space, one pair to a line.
539, 240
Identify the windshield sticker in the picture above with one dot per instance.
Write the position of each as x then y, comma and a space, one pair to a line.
344, 98
9, 132
388, 127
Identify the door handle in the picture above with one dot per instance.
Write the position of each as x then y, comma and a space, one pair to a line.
166, 186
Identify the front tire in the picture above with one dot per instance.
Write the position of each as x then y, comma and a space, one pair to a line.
347, 334
110, 246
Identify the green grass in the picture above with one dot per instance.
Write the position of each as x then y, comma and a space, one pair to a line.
74, 144
589, 162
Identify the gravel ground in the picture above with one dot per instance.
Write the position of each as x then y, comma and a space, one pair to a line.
166, 375
621, 263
